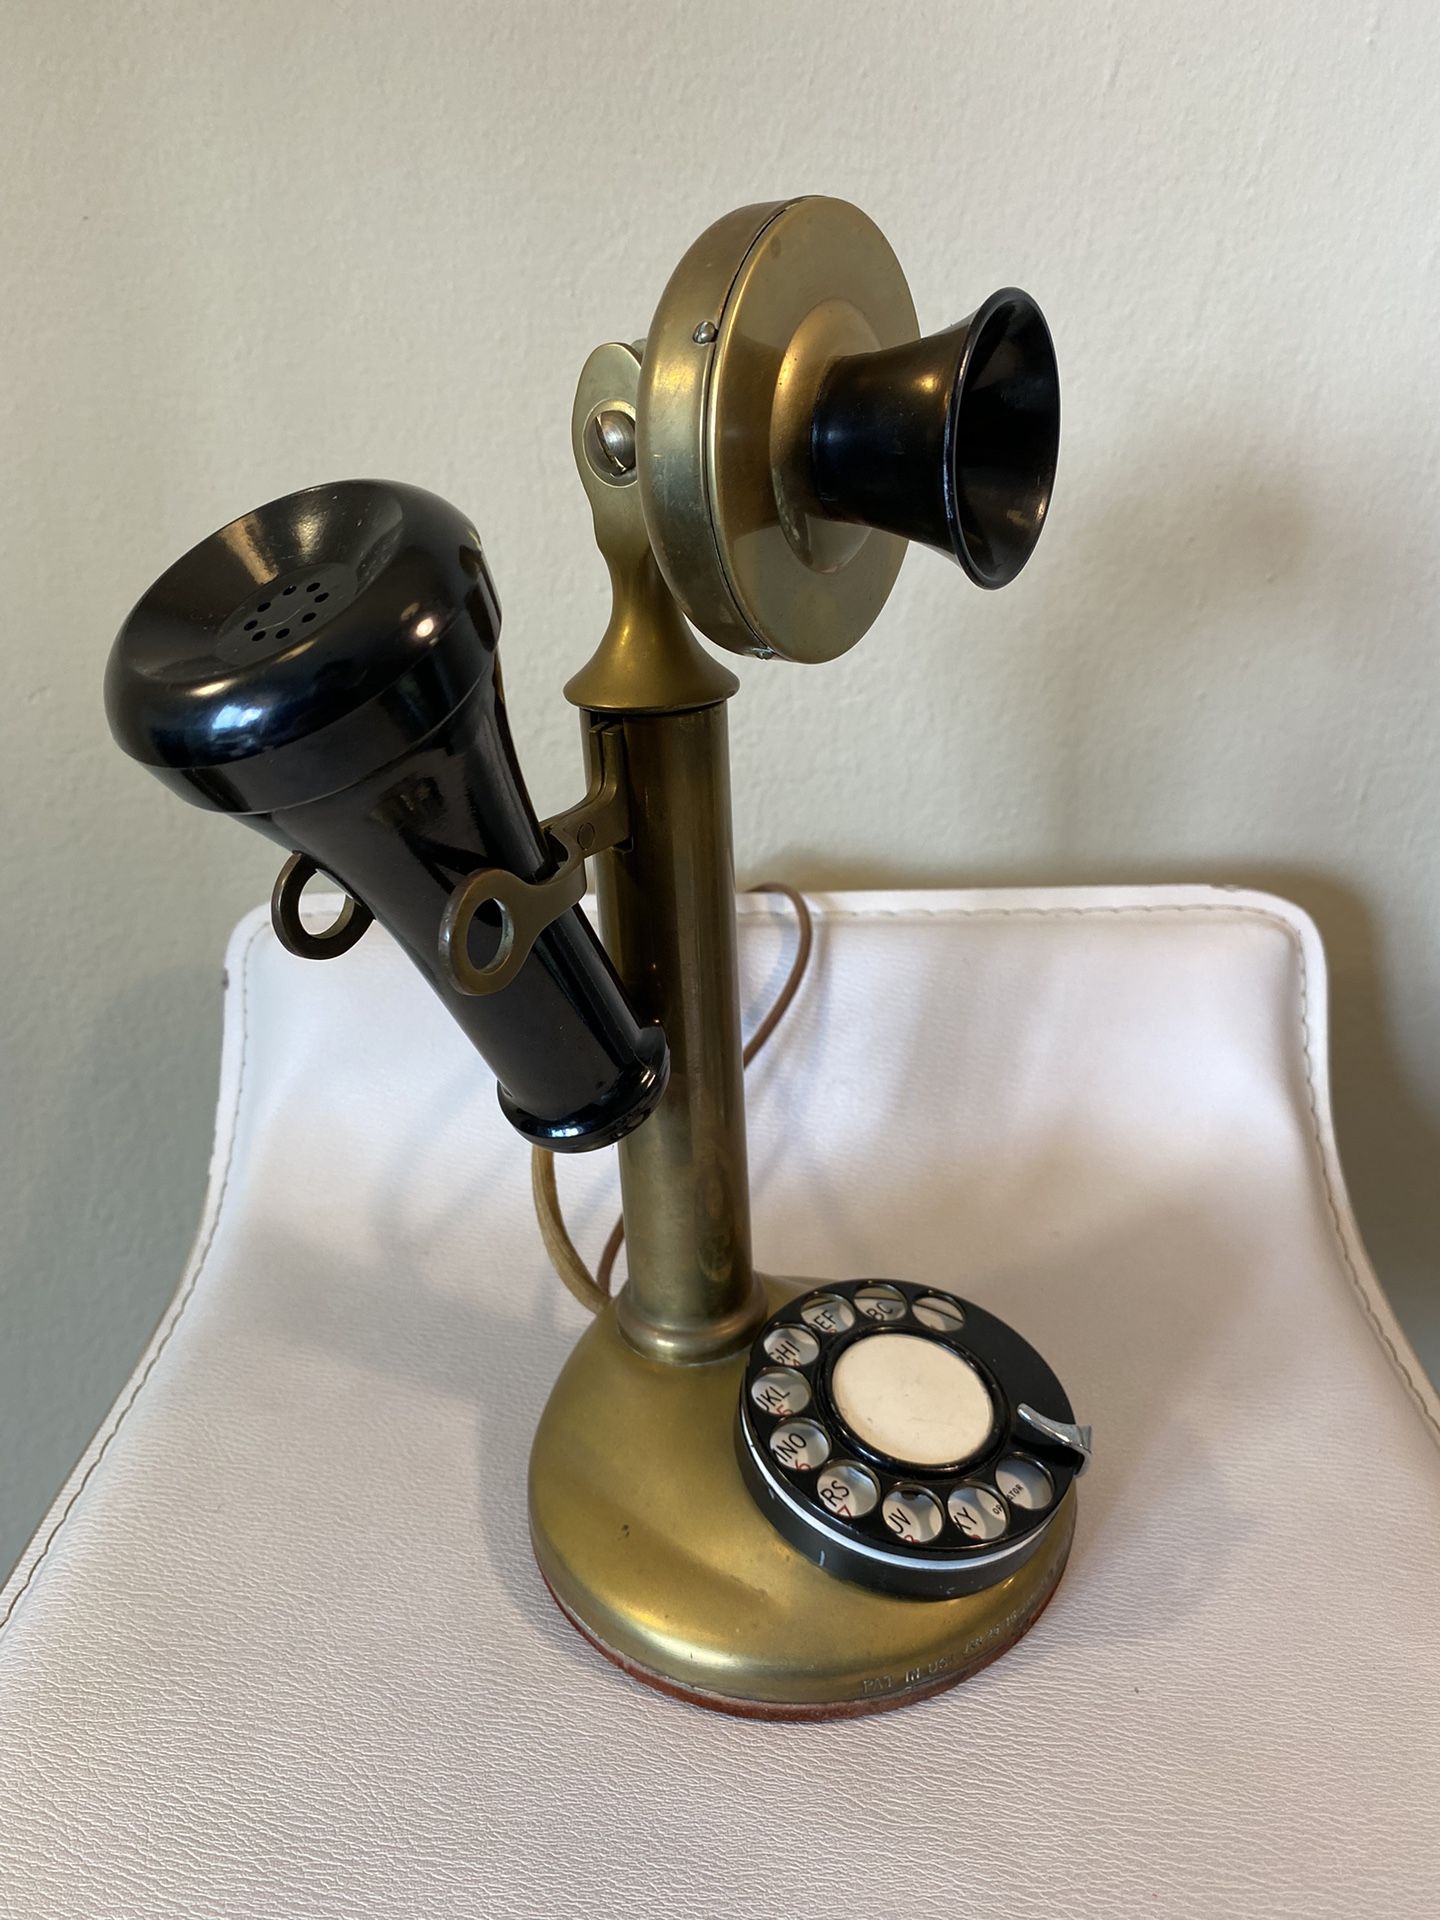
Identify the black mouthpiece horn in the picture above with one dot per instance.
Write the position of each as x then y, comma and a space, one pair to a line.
950, 440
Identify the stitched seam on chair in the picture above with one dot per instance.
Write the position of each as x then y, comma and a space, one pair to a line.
177, 1307
1235, 909
1358, 1285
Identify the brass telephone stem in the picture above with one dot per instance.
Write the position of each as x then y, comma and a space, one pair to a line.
667, 916
667, 911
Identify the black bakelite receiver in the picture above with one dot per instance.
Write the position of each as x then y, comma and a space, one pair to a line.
950, 440
326, 669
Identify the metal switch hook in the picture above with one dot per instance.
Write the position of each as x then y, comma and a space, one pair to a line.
600, 821
526, 908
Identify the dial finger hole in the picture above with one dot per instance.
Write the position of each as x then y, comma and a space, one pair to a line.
881, 1303
848, 1490
792, 1346
800, 1444
912, 1515
780, 1390
977, 1513
1025, 1483
827, 1313
938, 1313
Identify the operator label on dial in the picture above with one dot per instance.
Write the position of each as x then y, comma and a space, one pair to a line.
912, 1514
977, 1513
800, 1443
1024, 1483
792, 1346
848, 1490
780, 1390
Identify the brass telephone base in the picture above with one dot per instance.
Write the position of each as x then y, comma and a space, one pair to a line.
653, 1548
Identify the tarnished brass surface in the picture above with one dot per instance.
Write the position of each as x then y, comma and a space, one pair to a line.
679, 354
649, 1540
667, 916
756, 312
648, 659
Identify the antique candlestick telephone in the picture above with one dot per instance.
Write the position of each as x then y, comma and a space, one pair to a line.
773, 1497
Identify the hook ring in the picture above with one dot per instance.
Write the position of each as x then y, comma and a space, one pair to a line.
349, 926
526, 909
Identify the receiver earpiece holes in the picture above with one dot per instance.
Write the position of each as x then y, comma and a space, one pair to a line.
295, 605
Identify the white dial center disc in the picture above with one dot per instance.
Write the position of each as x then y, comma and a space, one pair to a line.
912, 1399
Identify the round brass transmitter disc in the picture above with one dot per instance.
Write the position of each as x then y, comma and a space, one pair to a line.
754, 316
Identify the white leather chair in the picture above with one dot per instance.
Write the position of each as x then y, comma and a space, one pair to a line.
280, 1649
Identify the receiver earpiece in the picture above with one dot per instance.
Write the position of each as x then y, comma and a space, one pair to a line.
326, 668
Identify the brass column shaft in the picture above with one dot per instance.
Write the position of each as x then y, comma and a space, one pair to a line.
667, 916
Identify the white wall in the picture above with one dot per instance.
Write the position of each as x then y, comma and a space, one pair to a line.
249, 246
